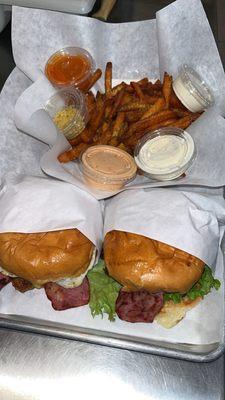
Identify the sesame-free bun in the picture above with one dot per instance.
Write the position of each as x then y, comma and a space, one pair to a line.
138, 262
45, 257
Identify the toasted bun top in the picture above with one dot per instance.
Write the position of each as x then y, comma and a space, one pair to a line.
138, 262
44, 257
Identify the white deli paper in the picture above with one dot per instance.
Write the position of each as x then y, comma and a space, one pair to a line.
32, 45
208, 131
20, 153
189, 221
33, 204
202, 325
186, 220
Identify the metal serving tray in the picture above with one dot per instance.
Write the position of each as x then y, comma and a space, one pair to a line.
198, 353
194, 353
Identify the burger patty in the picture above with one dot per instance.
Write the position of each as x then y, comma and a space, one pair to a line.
62, 298
140, 306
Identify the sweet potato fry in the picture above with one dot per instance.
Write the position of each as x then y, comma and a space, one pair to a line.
99, 96
113, 141
90, 101
123, 114
175, 102
195, 116
96, 119
108, 111
108, 79
138, 90
127, 98
157, 84
183, 123
118, 124
163, 124
181, 113
95, 77
116, 89
167, 88
155, 108
75, 141
151, 99
143, 82
103, 128
129, 89
133, 140
86, 135
105, 136
133, 105
133, 116
150, 121
154, 87
117, 103
73, 153
124, 147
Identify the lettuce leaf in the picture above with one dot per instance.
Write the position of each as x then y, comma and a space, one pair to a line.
104, 291
204, 286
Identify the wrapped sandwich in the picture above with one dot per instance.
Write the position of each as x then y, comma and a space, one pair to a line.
160, 250
50, 236
158, 281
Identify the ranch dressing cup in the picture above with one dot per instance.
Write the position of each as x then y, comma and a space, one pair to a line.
165, 154
192, 91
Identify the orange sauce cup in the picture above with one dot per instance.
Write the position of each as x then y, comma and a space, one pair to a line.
107, 168
71, 66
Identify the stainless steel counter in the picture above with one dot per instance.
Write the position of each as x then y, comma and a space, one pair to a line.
44, 368
39, 367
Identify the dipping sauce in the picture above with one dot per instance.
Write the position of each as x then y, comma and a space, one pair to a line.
71, 66
192, 90
165, 154
107, 168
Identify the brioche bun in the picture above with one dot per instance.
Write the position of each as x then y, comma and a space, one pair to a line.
138, 262
45, 257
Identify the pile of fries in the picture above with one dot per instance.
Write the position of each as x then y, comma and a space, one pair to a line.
122, 115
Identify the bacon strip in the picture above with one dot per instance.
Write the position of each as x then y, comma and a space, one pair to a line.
4, 280
22, 285
62, 298
140, 306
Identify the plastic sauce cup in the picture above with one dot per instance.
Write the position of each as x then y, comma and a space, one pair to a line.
68, 110
165, 154
107, 168
191, 90
70, 66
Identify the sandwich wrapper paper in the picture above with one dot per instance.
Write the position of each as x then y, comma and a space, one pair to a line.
34, 204
201, 227
180, 34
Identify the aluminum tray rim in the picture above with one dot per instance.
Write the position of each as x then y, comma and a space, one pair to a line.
178, 351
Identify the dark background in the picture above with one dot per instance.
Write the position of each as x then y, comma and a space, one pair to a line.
123, 11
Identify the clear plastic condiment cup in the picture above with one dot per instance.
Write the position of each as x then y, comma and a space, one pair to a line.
107, 168
165, 154
69, 112
192, 90
70, 66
